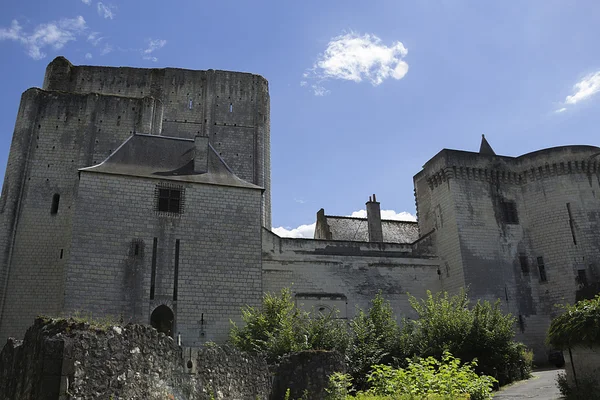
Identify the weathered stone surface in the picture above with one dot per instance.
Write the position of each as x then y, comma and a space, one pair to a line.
61, 359
306, 373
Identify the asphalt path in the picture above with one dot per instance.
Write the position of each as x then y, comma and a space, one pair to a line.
541, 386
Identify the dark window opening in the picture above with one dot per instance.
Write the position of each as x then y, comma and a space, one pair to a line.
169, 200
55, 201
153, 270
136, 250
521, 323
62, 252
524, 264
571, 224
542, 269
582, 277
509, 212
162, 320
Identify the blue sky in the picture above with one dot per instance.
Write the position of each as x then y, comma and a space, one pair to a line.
362, 93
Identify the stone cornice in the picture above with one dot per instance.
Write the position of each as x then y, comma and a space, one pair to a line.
514, 175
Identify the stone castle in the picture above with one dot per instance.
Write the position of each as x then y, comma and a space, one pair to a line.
145, 194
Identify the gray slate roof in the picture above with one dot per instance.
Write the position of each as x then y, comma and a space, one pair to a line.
356, 229
167, 158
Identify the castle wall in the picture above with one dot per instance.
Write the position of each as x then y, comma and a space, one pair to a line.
219, 267
492, 248
231, 108
328, 273
55, 134
436, 211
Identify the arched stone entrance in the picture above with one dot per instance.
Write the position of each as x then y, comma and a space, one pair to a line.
162, 320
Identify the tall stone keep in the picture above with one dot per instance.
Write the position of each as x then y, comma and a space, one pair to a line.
80, 117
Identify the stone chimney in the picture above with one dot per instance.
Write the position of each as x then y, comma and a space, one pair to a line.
374, 220
200, 154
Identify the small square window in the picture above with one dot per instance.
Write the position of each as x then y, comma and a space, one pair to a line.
169, 200
509, 212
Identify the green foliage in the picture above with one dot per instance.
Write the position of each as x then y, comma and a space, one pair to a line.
482, 332
374, 336
279, 327
421, 379
578, 325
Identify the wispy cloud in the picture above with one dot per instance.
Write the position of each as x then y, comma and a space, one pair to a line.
582, 90
308, 231
94, 38
88, 56
106, 49
153, 45
86, 2
54, 34
354, 57
106, 11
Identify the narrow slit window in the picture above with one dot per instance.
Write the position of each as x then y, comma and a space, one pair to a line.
542, 269
230, 107
62, 253
190, 104
55, 201
524, 264
571, 224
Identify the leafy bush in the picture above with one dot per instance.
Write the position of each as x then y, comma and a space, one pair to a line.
578, 325
422, 379
372, 340
279, 327
482, 332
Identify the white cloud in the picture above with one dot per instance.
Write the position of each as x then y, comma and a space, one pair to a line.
86, 2
560, 110
387, 214
319, 90
55, 34
308, 231
303, 231
106, 11
106, 49
585, 88
94, 38
88, 56
153, 45
356, 57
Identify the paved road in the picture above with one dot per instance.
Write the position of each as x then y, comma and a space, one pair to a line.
542, 387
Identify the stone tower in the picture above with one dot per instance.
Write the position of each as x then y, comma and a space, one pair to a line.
81, 116
521, 229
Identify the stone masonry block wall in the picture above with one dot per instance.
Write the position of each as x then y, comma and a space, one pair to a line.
319, 271
500, 259
436, 211
55, 135
231, 108
105, 277
585, 365
306, 374
60, 359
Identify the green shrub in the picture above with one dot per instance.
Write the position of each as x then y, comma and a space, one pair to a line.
279, 327
373, 338
422, 379
482, 332
577, 325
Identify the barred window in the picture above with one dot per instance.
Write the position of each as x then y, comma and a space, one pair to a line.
169, 199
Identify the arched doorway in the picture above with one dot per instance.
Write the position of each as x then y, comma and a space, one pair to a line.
162, 320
